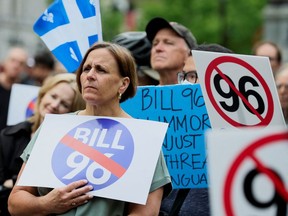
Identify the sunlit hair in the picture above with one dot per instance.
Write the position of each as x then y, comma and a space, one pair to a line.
126, 66
49, 83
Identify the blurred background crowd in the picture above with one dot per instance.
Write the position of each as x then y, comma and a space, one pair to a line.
258, 27
233, 24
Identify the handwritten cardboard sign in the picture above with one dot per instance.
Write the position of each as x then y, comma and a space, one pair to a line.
183, 107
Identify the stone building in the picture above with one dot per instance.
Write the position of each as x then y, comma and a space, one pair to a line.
18, 16
275, 17
16, 24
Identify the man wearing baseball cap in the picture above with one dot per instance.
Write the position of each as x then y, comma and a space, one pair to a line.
171, 44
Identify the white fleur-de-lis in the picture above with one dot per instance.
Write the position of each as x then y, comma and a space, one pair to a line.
73, 55
92, 2
48, 16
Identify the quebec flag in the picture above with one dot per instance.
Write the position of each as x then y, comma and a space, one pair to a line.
69, 28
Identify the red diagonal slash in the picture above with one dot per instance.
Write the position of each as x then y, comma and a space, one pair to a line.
245, 101
249, 153
31, 106
280, 187
95, 155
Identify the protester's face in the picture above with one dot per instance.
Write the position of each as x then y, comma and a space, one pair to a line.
15, 63
40, 72
100, 78
189, 67
282, 88
169, 51
57, 100
269, 51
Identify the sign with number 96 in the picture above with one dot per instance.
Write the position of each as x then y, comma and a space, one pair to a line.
99, 150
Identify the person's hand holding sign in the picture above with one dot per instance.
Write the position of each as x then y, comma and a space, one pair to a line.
93, 151
59, 200
68, 197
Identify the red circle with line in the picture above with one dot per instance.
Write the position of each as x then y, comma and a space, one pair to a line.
225, 59
249, 153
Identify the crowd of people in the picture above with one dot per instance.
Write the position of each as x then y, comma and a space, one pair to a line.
108, 75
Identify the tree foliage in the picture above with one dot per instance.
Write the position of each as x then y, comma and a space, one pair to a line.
234, 24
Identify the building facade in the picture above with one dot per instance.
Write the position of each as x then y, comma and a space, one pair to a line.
275, 18
16, 24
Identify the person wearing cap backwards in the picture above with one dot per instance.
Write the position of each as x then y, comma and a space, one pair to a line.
171, 45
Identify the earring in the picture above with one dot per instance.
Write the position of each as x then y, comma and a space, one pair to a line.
119, 96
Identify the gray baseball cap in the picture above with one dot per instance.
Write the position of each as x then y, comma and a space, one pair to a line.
159, 23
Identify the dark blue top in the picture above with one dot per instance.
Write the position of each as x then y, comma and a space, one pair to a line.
195, 204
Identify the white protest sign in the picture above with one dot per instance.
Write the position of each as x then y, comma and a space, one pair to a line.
239, 90
115, 155
21, 104
248, 171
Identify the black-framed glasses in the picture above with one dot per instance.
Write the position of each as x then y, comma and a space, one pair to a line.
190, 76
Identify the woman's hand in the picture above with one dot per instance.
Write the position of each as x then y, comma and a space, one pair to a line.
65, 198
25, 200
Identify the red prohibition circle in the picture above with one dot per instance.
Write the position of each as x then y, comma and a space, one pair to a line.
248, 153
214, 66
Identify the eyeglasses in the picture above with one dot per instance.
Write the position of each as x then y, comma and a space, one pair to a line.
190, 76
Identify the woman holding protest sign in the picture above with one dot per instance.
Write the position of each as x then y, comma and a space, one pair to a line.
106, 77
58, 95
